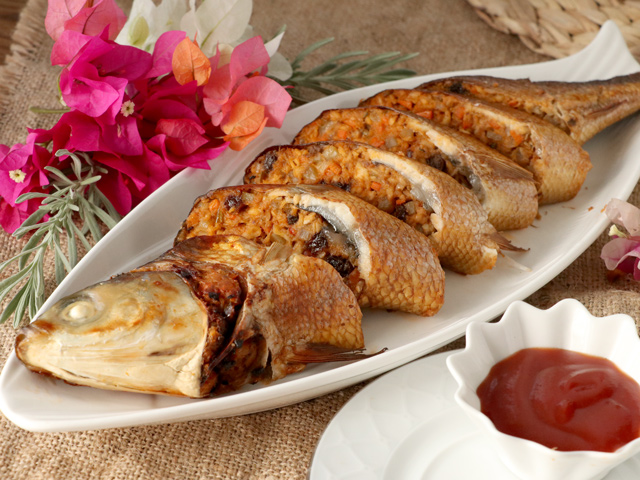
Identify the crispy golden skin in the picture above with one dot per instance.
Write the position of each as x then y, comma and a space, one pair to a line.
507, 191
558, 164
154, 331
392, 266
581, 109
425, 198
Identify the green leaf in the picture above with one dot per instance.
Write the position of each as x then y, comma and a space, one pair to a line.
346, 75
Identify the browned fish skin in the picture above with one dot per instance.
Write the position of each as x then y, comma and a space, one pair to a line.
292, 310
581, 109
306, 305
425, 198
384, 261
506, 191
558, 163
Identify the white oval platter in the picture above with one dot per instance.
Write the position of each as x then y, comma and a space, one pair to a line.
562, 233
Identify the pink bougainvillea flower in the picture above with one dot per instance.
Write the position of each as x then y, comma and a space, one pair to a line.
263, 91
131, 179
89, 17
622, 252
246, 58
22, 170
163, 53
95, 80
12, 216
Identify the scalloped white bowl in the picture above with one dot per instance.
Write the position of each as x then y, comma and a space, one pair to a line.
566, 325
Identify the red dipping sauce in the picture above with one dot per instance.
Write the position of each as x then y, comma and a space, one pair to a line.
562, 399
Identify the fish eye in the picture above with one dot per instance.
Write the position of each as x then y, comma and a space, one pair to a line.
80, 309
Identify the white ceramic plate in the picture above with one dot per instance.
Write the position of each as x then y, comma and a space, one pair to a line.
407, 425
564, 231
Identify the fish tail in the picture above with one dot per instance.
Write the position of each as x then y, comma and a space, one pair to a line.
504, 243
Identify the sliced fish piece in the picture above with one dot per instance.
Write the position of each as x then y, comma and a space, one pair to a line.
423, 197
581, 109
506, 191
207, 317
558, 163
386, 263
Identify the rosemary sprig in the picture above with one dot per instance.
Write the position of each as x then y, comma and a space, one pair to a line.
337, 74
74, 195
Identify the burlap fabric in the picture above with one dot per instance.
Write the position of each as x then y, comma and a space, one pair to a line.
278, 444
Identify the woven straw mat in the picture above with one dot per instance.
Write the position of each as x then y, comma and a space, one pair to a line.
561, 27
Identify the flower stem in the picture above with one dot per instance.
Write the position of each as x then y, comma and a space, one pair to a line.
49, 110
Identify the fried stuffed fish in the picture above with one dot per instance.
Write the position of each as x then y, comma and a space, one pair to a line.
207, 317
423, 197
558, 163
386, 263
506, 190
581, 109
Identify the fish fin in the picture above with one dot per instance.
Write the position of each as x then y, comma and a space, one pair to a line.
323, 352
506, 167
504, 243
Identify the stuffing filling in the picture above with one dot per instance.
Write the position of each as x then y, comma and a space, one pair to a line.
451, 111
388, 131
347, 167
502, 98
268, 219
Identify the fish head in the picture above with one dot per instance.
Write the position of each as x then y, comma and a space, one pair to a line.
140, 331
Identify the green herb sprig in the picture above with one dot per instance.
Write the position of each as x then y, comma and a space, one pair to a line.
75, 200
338, 74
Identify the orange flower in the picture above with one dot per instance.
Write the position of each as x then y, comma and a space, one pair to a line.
189, 63
246, 121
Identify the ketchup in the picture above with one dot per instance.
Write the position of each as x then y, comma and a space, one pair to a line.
562, 399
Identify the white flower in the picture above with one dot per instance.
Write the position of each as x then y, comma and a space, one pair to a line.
147, 21
128, 108
214, 24
17, 176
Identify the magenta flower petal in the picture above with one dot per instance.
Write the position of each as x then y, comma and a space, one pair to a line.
112, 185
12, 216
163, 52
199, 159
122, 137
68, 47
183, 136
91, 96
124, 61
76, 131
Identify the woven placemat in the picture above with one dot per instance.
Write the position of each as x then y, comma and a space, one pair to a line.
561, 27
